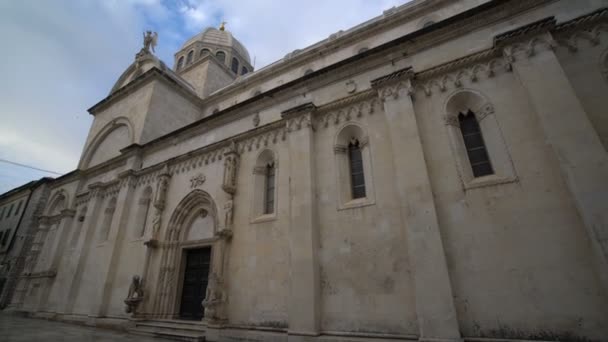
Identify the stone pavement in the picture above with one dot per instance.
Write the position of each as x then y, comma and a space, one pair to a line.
19, 329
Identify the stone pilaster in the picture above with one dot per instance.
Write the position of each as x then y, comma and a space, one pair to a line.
437, 319
64, 222
582, 158
84, 246
116, 236
304, 294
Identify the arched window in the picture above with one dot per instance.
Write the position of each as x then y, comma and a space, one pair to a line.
244, 71
189, 59
180, 63
106, 223
354, 185
269, 190
481, 155
265, 186
428, 23
235, 65
221, 55
204, 52
357, 179
473, 142
143, 209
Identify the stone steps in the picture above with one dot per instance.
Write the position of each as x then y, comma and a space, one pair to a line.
191, 331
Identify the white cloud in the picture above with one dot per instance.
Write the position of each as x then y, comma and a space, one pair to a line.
61, 57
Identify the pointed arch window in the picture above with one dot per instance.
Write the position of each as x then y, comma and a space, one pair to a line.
355, 160
475, 145
180, 63
269, 189
204, 52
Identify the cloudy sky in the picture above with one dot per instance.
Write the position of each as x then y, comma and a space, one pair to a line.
61, 57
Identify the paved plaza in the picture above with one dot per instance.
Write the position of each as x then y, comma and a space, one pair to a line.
20, 329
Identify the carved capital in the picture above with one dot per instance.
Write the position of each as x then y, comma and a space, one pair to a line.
451, 120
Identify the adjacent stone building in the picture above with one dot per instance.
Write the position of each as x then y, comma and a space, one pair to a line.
19, 210
438, 172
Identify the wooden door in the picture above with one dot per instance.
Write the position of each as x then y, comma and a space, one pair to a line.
196, 276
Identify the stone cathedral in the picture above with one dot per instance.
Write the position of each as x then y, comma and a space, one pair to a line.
437, 173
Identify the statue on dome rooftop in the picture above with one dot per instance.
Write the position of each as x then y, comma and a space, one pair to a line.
150, 39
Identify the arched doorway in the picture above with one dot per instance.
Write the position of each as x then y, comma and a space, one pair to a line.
187, 257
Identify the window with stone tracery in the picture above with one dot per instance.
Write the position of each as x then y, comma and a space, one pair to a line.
357, 179
265, 187
474, 144
269, 189
481, 155
354, 183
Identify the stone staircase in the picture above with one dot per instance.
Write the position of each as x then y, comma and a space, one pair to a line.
192, 331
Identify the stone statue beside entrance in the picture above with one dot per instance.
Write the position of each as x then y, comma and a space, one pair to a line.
214, 298
135, 295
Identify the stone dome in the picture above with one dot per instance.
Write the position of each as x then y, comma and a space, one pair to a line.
223, 38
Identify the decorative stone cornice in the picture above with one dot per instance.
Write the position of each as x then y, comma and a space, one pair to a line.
526, 31
526, 40
454, 74
587, 28
348, 108
346, 101
399, 75
298, 117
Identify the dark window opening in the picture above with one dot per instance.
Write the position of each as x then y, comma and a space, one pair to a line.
244, 71
189, 59
235, 66
357, 178
476, 148
204, 52
269, 190
180, 62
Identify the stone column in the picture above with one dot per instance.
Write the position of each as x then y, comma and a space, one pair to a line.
582, 158
435, 310
304, 297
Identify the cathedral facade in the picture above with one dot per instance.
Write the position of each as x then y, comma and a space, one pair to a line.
439, 172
